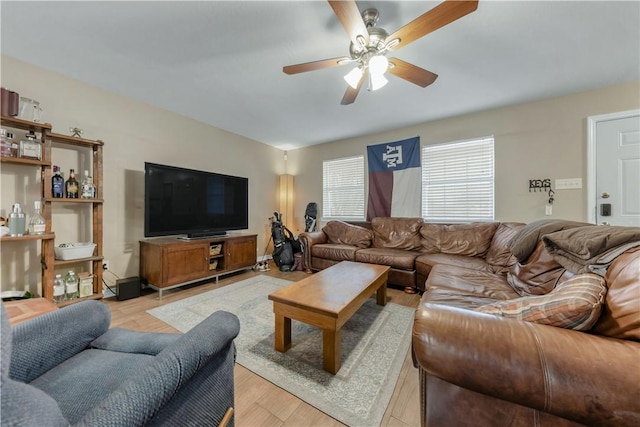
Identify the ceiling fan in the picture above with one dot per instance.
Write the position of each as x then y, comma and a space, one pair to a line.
370, 44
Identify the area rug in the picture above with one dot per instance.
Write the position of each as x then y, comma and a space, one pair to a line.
374, 344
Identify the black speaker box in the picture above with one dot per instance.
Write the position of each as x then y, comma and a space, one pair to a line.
128, 288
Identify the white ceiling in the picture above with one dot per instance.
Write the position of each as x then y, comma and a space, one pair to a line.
221, 62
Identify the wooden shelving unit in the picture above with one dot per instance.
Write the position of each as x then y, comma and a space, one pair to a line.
48, 261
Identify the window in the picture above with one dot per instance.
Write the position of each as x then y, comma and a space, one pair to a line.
457, 181
343, 188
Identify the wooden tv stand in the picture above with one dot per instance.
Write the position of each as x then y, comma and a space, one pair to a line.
168, 262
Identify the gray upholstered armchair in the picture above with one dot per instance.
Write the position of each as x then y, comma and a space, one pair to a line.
68, 368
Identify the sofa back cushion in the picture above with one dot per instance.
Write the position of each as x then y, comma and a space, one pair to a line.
621, 315
471, 239
538, 275
396, 233
499, 255
348, 234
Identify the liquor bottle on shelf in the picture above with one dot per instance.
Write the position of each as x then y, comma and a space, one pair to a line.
58, 289
57, 183
8, 148
30, 148
71, 285
17, 221
37, 224
88, 189
71, 186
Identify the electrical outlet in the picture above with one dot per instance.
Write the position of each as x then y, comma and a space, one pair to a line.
105, 264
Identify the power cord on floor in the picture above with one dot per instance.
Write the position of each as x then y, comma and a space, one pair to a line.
105, 283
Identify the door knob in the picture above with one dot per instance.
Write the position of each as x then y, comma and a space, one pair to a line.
605, 195
604, 223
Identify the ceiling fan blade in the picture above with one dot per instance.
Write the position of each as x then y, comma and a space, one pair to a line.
351, 93
441, 15
316, 65
411, 73
350, 18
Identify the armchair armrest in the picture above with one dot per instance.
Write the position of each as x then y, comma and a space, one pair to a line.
307, 240
128, 341
575, 375
189, 383
46, 341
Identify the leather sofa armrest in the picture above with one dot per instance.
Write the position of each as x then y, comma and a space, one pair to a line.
307, 240
575, 375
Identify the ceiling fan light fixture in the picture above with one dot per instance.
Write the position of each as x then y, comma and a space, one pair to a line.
353, 77
377, 81
378, 65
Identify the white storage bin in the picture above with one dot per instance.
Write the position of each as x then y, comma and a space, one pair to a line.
74, 251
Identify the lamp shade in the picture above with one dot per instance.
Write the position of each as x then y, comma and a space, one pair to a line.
353, 77
286, 199
377, 81
378, 65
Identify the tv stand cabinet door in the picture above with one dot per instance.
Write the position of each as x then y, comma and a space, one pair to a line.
184, 262
240, 252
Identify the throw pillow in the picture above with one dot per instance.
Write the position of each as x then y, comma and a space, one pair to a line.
472, 239
348, 234
573, 304
499, 255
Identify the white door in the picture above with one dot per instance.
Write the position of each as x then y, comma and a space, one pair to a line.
615, 148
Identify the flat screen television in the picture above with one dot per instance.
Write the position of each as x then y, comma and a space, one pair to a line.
196, 203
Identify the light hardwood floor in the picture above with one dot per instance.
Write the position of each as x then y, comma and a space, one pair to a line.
259, 402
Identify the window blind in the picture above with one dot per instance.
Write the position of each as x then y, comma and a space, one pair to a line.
458, 181
343, 188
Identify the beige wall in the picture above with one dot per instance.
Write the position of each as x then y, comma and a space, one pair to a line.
543, 139
536, 140
133, 132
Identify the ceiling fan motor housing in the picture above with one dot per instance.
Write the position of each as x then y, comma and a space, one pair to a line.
377, 37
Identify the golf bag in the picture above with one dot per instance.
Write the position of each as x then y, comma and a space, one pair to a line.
284, 245
310, 215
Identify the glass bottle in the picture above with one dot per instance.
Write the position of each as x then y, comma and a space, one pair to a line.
58, 289
71, 186
88, 189
7, 146
37, 224
57, 183
17, 221
30, 148
71, 285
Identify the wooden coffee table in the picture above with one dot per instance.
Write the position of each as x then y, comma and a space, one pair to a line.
327, 300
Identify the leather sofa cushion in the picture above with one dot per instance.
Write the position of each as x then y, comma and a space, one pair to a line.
348, 234
396, 258
396, 233
499, 255
471, 239
539, 275
334, 252
465, 288
572, 304
425, 262
620, 317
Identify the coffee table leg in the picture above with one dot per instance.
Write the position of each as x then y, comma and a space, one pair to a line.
331, 350
283, 333
381, 295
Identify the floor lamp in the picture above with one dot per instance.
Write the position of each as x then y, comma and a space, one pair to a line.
286, 199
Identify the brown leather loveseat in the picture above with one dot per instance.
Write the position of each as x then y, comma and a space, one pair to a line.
548, 342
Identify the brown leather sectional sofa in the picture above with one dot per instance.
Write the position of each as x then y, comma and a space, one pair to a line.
410, 247
479, 362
